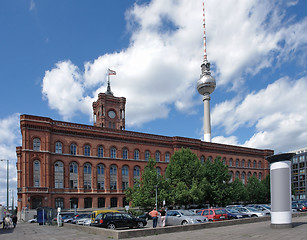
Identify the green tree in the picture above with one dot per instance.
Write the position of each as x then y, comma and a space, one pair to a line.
256, 190
238, 191
185, 178
217, 175
267, 188
143, 193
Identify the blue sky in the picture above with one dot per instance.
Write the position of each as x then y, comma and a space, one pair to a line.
54, 57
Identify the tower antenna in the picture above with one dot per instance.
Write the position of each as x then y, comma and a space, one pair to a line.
206, 85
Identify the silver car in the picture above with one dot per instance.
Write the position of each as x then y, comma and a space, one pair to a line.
252, 212
183, 217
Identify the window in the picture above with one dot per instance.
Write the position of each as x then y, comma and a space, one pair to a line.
101, 202
87, 181
36, 144
59, 202
237, 163
125, 177
158, 170
202, 159
58, 175
113, 202
147, 155
125, 153
210, 159
136, 154
87, 202
254, 164
167, 157
231, 176
259, 164
100, 151
100, 176
230, 162
260, 176
113, 152
73, 149
73, 175
224, 161
243, 163
237, 175
249, 164
87, 150
36, 173
243, 177
58, 147
157, 156
113, 177
249, 175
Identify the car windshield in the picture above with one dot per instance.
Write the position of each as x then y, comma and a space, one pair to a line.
187, 213
252, 209
233, 211
267, 207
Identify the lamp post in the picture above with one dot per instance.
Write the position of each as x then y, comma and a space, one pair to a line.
7, 180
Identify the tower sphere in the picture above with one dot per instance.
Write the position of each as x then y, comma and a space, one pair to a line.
206, 84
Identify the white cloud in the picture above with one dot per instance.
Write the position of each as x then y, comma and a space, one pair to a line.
32, 5
277, 112
10, 137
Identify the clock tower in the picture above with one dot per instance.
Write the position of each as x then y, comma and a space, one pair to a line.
109, 111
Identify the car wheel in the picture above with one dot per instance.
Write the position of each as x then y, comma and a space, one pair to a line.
184, 223
254, 215
140, 225
210, 220
111, 226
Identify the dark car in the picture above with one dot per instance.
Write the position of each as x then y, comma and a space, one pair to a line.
118, 220
145, 216
235, 214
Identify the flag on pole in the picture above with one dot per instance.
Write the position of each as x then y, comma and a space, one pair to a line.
111, 72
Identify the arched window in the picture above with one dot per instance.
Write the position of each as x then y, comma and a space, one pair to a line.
230, 162
113, 152
136, 154
125, 177
73, 175
224, 161
254, 164
202, 159
125, 153
100, 176
36, 144
259, 164
237, 163
147, 155
255, 174
100, 151
136, 174
87, 178
58, 175
249, 175
158, 170
157, 156
87, 150
73, 149
243, 177
113, 177
243, 163
58, 147
210, 159
167, 156
249, 164
260, 176
238, 175
231, 176
36, 173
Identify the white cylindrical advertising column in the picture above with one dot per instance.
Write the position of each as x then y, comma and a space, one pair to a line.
280, 175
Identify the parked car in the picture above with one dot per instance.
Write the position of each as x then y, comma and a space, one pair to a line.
235, 214
96, 212
299, 207
214, 214
252, 212
113, 220
79, 216
145, 216
263, 208
84, 219
183, 217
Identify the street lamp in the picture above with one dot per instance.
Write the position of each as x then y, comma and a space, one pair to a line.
7, 180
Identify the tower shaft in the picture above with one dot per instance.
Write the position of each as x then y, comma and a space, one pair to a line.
207, 121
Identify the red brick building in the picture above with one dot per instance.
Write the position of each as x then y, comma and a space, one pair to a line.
63, 164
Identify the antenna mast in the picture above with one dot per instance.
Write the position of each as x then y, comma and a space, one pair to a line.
204, 25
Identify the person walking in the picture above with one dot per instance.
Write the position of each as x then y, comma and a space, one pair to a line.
163, 216
14, 220
154, 214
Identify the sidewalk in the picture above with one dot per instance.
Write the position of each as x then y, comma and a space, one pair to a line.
259, 231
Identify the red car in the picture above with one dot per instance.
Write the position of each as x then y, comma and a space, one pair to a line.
214, 214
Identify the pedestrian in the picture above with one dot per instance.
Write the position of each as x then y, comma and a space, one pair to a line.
14, 220
154, 214
3, 222
163, 216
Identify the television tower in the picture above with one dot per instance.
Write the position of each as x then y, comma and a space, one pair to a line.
205, 86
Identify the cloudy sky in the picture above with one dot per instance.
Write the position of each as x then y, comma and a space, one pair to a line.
54, 57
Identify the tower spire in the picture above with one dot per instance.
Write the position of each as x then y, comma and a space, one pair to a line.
206, 85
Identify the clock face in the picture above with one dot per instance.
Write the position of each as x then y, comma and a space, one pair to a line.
111, 114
